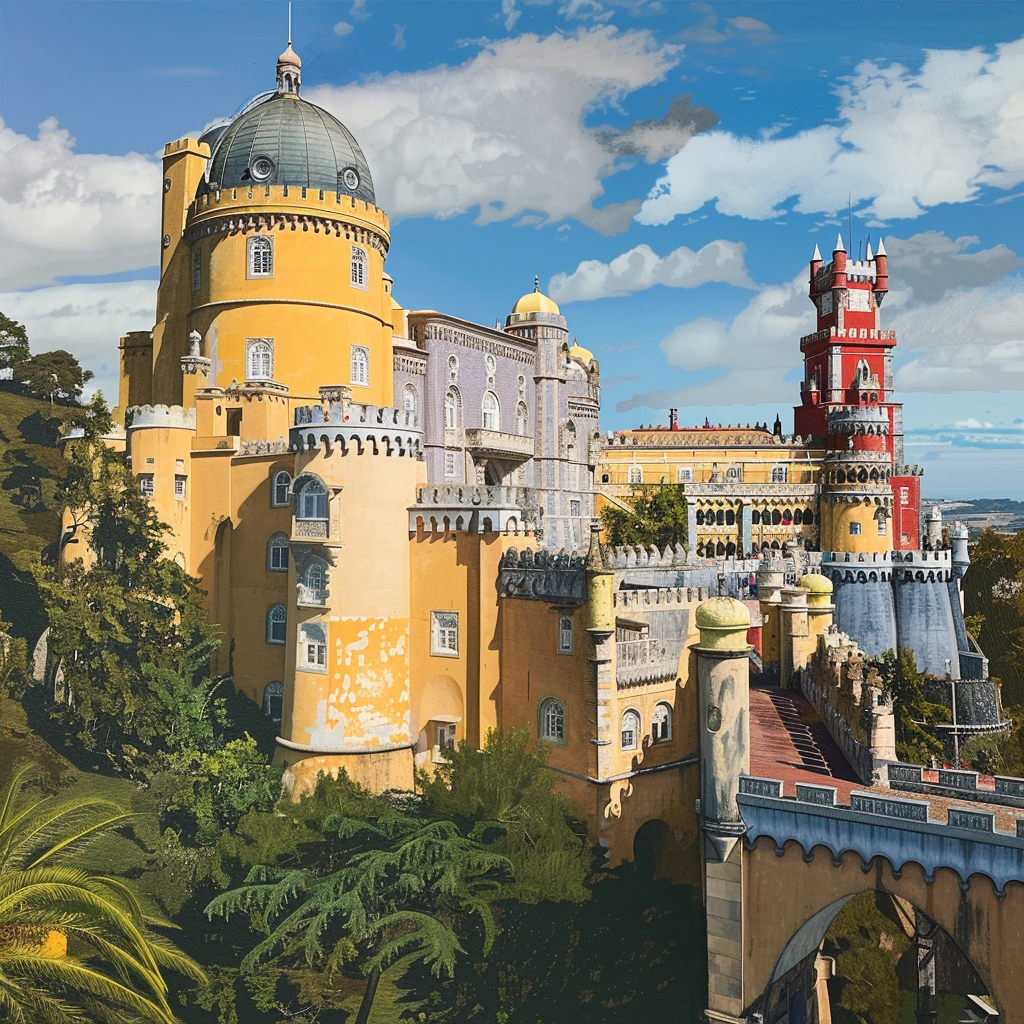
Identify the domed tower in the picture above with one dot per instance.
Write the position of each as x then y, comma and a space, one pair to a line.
568, 402
273, 254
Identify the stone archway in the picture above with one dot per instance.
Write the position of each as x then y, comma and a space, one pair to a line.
652, 850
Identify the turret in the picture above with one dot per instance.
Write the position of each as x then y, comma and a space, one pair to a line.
816, 264
839, 264
881, 273
961, 556
933, 529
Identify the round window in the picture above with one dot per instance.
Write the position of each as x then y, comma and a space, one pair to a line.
350, 178
261, 168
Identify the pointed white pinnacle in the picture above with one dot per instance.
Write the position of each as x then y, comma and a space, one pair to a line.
817, 253
839, 243
881, 247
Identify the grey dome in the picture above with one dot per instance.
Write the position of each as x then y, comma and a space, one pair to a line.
286, 141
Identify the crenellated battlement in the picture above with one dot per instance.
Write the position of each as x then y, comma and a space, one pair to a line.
357, 429
172, 416
542, 576
652, 598
923, 566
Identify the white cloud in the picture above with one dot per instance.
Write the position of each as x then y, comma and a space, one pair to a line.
642, 268
904, 142
66, 213
503, 132
399, 41
343, 28
745, 24
958, 317
86, 320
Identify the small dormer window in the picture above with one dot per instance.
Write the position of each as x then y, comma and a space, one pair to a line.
261, 256
360, 275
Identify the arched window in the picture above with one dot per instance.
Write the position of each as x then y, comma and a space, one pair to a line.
409, 398
808, 517
311, 500
491, 412
452, 409
261, 256
630, 730
636, 475
259, 359
197, 269
551, 725
755, 517
314, 575
277, 553
360, 368
277, 619
273, 700
312, 648
522, 419
359, 268
720, 517
661, 723
279, 489
730, 517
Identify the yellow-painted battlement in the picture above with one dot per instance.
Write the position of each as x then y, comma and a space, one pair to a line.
287, 199
180, 146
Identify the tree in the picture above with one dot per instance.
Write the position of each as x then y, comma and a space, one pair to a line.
914, 714
506, 795
128, 632
13, 346
395, 885
656, 515
57, 376
74, 946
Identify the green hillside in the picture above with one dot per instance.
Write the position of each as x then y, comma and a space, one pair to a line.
31, 467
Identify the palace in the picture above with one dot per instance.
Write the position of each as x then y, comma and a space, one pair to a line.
393, 514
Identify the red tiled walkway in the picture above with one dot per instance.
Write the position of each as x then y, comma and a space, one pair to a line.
789, 742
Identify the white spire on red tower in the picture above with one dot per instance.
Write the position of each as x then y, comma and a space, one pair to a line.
881, 247
839, 243
817, 253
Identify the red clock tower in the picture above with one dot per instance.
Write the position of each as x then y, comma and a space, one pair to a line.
848, 363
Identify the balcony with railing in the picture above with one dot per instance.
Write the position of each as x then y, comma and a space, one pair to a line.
310, 529
646, 660
496, 444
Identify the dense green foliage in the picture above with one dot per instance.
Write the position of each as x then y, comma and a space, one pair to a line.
56, 376
916, 739
14, 347
505, 794
656, 515
112, 970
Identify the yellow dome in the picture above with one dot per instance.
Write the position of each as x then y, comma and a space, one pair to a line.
535, 302
816, 583
579, 353
723, 623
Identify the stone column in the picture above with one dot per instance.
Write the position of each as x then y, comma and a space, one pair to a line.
723, 679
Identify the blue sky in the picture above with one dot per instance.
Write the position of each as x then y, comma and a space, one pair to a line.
666, 168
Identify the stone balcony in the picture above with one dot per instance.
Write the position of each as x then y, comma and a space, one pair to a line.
477, 509
311, 597
496, 444
645, 661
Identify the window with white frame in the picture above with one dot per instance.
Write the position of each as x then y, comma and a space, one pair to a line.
661, 722
630, 730
179, 486
360, 269
273, 700
854, 529
491, 412
574, 507
279, 496
277, 553
261, 256
684, 474
314, 576
311, 499
883, 527
636, 475
360, 367
259, 358
780, 474
409, 398
444, 634
565, 634
444, 738
312, 647
197, 269
551, 721
277, 620
451, 409
451, 468
147, 484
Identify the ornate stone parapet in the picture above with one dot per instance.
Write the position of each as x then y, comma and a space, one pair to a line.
922, 565
851, 566
476, 509
192, 365
357, 429
171, 416
278, 447
647, 660
498, 444
542, 576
